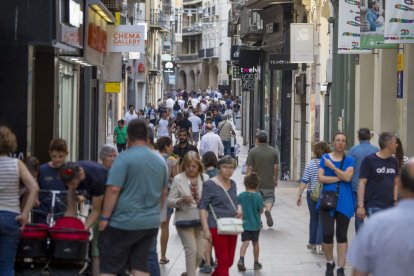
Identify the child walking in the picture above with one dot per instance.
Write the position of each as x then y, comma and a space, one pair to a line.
252, 204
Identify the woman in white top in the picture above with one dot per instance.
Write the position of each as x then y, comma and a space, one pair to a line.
185, 196
11, 218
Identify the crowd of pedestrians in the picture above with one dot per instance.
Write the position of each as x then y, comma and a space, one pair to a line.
179, 158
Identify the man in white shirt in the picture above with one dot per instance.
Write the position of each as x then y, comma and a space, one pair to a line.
181, 102
194, 101
195, 127
130, 115
163, 129
211, 142
169, 104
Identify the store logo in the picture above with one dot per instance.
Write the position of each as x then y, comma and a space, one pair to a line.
248, 70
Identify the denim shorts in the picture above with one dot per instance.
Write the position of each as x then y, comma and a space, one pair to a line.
9, 239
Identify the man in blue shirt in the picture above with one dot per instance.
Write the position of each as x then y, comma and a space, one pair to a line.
359, 152
135, 192
372, 16
384, 246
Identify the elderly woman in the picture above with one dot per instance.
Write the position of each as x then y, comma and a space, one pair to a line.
335, 172
12, 218
185, 196
214, 196
108, 155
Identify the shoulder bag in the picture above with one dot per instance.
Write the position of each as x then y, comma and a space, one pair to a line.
329, 199
227, 226
316, 192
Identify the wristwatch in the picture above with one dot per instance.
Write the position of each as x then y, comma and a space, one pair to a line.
361, 206
103, 218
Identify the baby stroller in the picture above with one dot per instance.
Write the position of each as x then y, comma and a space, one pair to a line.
57, 249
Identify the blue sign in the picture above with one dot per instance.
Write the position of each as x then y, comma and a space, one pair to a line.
400, 78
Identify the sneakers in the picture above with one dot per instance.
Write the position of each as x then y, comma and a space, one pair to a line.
318, 249
269, 218
330, 269
240, 266
340, 272
206, 269
257, 266
310, 246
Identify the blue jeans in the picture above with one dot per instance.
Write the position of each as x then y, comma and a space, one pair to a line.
9, 239
152, 262
227, 147
315, 226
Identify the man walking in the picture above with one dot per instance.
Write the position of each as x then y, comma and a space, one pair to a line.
136, 189
377, 189
195, 127
264, 161
183, 146
130, 115
384, 246
359, 152
163, 125
225, 131
211, 142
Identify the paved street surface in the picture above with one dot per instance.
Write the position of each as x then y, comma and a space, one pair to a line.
282, 248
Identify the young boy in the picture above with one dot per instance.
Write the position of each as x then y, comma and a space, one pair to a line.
49, 178
252, 204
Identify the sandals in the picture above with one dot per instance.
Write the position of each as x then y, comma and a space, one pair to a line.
164, 261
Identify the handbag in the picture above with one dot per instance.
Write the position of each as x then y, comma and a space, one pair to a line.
316, 192
329, 199
227, 226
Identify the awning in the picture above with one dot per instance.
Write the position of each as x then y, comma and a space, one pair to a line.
101, 9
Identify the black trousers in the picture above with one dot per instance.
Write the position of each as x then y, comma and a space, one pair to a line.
328, 227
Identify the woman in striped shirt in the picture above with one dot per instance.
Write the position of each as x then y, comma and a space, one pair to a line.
310, 180
11, 219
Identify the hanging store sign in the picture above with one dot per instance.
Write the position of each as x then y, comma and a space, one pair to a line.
97, 38
112, 87
372, 25
235, 52
301, 43
249, 64
349, 32
399, 21
126, 38
281, 62
168, 66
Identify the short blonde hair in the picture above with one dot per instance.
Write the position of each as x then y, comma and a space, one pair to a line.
189, 157
8, 143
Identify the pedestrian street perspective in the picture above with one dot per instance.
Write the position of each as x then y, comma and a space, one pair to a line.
285, 131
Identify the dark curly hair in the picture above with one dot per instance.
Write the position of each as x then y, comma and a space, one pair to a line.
320, 149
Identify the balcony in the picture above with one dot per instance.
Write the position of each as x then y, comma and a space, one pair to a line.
159, 20
251, 26
188, 58
208, 53
113, 5
188, 31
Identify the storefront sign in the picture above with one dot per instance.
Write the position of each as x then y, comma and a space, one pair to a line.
235, 52
400, 82
97, 38
281, 62
75, 14
72, 36
301, 43
399, 21
126, 38
249, 68
349, 32
134, 55
168, 66
372, 25
112, 87
236, 72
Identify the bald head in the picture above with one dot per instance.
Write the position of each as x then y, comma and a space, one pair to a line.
407, 176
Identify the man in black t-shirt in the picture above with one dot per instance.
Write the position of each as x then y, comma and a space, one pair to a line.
89, 178
183, 146
377, 187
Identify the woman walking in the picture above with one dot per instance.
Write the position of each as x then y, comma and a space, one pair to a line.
214, 197
310, 181
335, 172
185, 197
120, 136
12, 218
